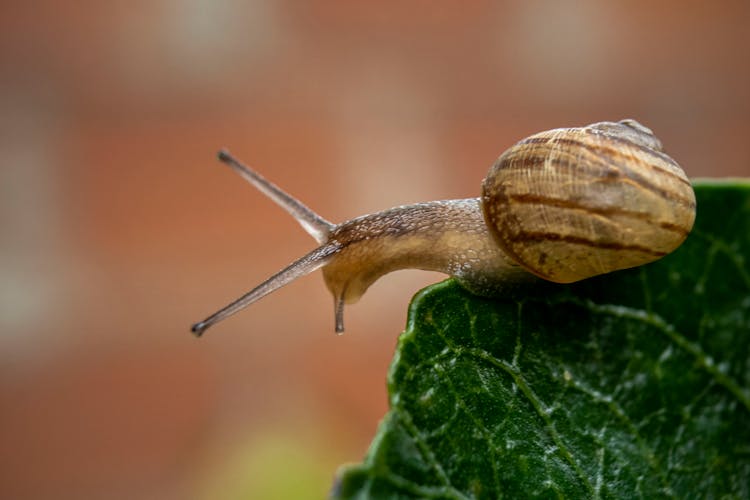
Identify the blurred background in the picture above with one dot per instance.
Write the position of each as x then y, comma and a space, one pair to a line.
120, 229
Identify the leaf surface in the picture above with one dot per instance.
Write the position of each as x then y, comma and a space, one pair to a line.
631, 385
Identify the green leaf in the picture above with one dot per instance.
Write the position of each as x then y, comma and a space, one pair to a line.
630, 385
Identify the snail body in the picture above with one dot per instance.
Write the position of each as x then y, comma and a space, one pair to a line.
564, 205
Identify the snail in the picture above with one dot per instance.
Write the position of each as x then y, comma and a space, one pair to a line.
563, 205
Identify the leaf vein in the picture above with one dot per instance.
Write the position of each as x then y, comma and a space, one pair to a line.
540, 408
705, 361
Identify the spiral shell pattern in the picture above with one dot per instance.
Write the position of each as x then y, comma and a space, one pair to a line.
568, 204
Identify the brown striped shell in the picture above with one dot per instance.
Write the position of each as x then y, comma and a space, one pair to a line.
568, 204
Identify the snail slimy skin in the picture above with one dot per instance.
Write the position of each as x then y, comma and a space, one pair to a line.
564, 205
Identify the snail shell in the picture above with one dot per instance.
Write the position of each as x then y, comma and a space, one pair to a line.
568, 204
564, 205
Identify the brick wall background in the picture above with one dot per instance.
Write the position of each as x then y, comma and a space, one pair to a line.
119, 228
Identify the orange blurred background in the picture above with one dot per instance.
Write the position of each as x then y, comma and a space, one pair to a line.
120, 228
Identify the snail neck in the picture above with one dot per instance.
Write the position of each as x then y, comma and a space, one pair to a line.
447, 236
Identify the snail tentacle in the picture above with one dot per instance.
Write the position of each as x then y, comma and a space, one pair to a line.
301, 267
314, 224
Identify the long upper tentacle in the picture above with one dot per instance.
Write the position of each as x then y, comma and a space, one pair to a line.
314, 224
